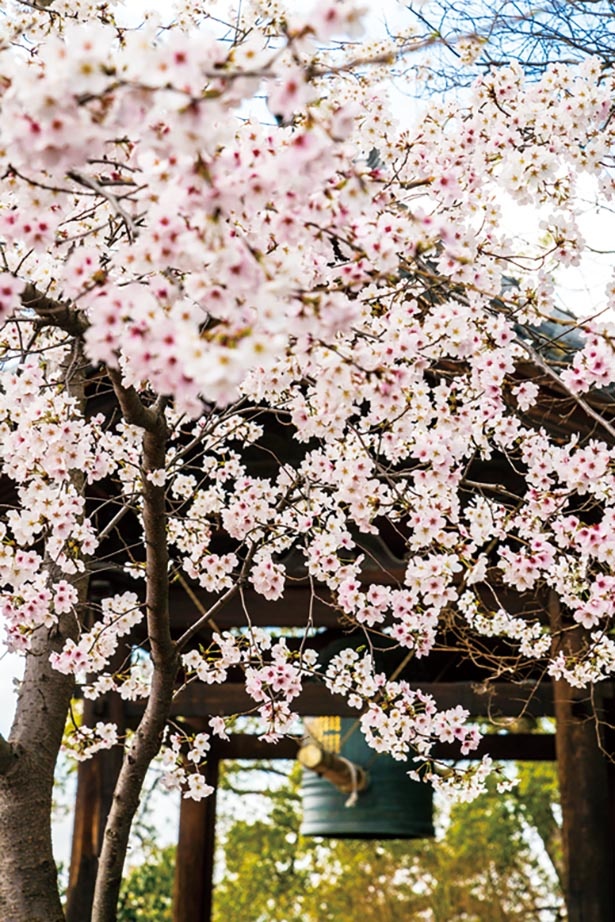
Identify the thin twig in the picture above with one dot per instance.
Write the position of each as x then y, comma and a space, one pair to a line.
120, 211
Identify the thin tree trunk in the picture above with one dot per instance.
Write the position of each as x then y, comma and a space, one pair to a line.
148, 736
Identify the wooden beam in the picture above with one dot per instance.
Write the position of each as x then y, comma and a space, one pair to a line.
517, 747
292, 610
522, 747
495, 700
299, 604
344, 775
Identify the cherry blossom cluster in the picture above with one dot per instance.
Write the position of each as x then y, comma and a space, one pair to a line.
463, 786
593, 365
184, 758
85, 741
398, 720
341, 338
598, 663
94, 649
274, 673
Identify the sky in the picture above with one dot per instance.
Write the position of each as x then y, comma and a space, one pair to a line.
11, 667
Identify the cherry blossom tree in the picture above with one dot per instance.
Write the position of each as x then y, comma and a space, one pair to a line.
210, 233
495, 34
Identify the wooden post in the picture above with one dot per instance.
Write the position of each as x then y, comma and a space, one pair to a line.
95, 783
193, 891
586, 790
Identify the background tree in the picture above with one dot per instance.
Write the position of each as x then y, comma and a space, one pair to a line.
488, 864
147, 892
476, 37
490, 861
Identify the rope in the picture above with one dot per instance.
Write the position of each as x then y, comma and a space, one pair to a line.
354, 781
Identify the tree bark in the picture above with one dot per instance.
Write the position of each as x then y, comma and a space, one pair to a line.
28, 874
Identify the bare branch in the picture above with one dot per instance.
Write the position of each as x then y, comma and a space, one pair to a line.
148, 735
113, 200
583, 404
207, 615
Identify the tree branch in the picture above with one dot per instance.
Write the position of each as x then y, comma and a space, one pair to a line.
583, 404
206, 615
53, 311
209, 614
133, 409
113, 200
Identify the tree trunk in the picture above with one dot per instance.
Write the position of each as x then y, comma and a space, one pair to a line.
147, 739
28, 874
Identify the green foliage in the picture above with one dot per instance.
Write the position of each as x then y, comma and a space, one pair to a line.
147, 891
491, 864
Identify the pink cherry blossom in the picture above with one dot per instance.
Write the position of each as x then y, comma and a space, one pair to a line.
240, 358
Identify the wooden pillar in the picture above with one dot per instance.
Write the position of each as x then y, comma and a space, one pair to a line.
586, 781
193, 891
96, 780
